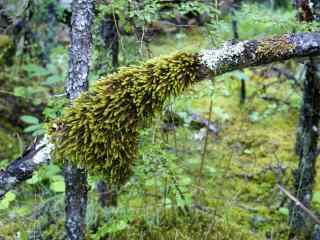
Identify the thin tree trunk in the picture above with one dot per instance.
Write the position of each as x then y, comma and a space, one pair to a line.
307, 142
307, 138
76, 179
110, 36
235, 39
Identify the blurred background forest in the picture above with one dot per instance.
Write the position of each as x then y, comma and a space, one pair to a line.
210, 164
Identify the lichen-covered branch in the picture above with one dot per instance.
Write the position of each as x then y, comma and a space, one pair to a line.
22, 168
99, 131
259, 52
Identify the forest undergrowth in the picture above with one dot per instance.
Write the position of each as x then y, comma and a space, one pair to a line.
209, 166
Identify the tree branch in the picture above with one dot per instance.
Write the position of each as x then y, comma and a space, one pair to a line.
214, 62
22, 168
259, 52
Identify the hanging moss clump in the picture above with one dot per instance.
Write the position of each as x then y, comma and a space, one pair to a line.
100, 130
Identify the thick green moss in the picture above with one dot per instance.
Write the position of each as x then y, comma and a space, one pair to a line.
99, 131
8, 143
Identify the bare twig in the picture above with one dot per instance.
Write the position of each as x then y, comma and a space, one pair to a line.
312, 215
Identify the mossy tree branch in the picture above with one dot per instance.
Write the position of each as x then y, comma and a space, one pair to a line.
104, 119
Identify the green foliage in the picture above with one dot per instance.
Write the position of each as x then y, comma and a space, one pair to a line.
141, 15
35, 127
99, 131
6, 50
49, 175
255, 20
5, 202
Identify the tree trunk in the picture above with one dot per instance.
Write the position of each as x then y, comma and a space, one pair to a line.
75, 179
306, 147
307, 137
110, 36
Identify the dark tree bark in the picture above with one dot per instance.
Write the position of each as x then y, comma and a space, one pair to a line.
110, 36
76, 179
107, 195
235, 39
307, 137
51, 22
307, 142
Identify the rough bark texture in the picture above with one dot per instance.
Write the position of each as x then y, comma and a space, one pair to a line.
258, 52
76, 179
226, 59
107, 195
81, 21
110, 36
307, 135
307, 143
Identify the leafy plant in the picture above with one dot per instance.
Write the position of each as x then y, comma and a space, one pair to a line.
35, 127
8, 198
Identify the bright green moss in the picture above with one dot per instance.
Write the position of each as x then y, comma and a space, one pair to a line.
100, 130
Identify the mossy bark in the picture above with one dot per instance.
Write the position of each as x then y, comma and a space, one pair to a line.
77, 82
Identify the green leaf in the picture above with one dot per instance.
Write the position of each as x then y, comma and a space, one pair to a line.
29, 119
284, 211
185, 180
316, 197
35, 179
168, 203
5, 202
23, 235
211, 170
52, 170
57, 186
36, 70
32, 128
254, 117
39, 132
53, 80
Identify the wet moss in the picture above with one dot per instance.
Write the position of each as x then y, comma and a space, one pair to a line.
100, 130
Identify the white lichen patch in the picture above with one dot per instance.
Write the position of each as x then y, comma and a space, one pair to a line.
44, 149
214, 59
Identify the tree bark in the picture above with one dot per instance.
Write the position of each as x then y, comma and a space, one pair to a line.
307, 142
109, 34
219, 61
76, 179
307, 136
